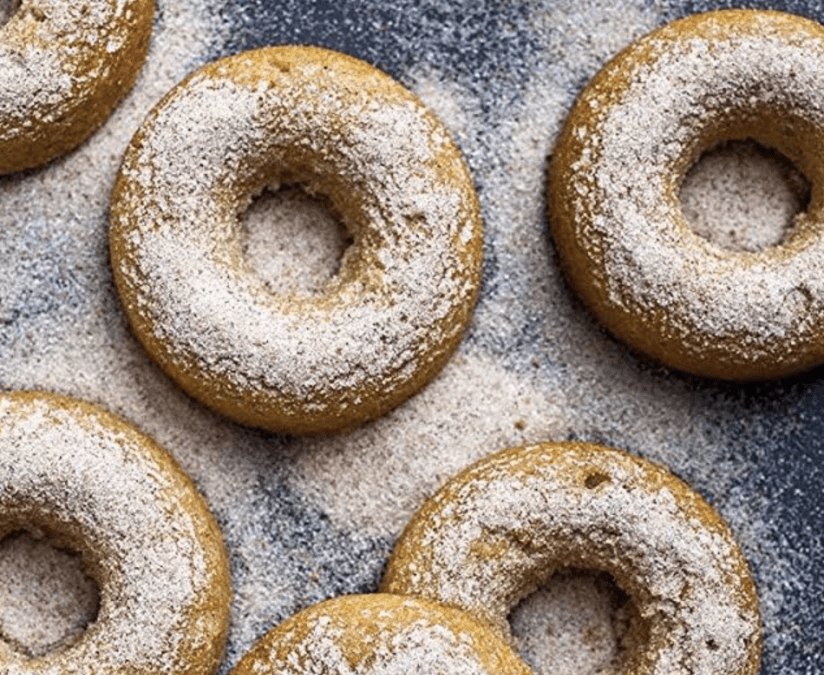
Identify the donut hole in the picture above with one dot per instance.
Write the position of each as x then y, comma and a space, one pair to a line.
8, 8
579, 621
743, 196
293, 241
47, 600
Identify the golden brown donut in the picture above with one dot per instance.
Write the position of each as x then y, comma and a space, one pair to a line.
339, 127
100, 488
63, 67
615, 214
502, 527
380, 635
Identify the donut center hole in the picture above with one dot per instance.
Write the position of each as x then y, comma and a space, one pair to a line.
46, 598
8, 8
293, 241
578, 623
743, 196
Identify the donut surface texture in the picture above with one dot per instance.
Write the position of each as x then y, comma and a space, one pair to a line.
502, 527
63, 67
381, 635
398, 307
614, 206
102, 489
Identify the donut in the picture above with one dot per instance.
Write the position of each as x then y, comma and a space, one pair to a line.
380, 634
98, 487
63, 67
498, 530
375, 333
613, 195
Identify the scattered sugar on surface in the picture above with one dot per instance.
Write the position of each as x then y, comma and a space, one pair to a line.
309, 518
575, 622
293, 242
45, 599
489, 408
742, 196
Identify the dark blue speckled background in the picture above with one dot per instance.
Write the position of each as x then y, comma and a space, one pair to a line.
56, 291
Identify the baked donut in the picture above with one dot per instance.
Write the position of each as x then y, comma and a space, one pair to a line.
100, 488
381, 328
613, 194
502, 527
63, 67
380, 635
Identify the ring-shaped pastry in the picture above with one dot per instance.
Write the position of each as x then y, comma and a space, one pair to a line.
614, 207
64, 65
382, 327
502, 527
100, 488
381, 634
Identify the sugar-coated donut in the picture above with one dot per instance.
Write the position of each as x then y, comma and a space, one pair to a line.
614, 206
381, 634
63, 67
406, 287
100, 488
499, 529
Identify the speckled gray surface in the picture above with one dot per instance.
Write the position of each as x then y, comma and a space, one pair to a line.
502, 74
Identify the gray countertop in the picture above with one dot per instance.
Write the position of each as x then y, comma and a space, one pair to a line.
306, 519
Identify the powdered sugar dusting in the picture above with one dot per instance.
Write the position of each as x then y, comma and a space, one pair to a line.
101, 487
35, 75
64, 67
490, 535
652, 265
19, 75
502, 79
405, 289
7, 10
380, 635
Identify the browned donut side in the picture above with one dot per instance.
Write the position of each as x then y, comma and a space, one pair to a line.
378, 634
495, 532
100, 488
404, 295
63, 68
614, 182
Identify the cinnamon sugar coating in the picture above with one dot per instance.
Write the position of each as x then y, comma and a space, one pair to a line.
100, 488
64, 65
292, 362
380, 634
502, 527
617, 222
